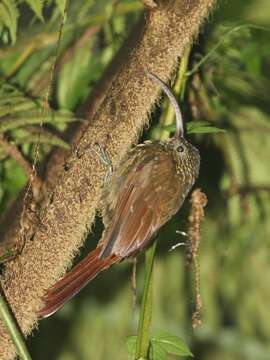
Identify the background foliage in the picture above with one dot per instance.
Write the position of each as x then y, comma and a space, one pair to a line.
227, 86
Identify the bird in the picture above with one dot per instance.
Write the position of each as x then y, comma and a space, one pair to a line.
143, 193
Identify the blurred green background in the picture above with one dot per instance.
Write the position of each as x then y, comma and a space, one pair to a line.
230, 89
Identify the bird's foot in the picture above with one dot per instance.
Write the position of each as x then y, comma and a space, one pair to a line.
104, 157
182, 243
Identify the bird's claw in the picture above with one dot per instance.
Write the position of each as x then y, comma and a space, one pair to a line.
104, 157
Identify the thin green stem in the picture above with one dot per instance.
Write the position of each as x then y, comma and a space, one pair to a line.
179, 89
182, 74
143, 338
13, 329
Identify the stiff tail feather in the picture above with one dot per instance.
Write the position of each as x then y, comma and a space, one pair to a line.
74, 281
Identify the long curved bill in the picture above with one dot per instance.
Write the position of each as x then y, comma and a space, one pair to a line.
179, 132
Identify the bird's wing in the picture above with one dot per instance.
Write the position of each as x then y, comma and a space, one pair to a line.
148, 196
147, 199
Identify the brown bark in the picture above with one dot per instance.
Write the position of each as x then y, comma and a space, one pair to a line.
67, 217
92, 103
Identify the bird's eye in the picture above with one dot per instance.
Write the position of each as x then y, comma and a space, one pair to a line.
180, 148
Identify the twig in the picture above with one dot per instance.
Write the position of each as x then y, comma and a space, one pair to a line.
13, 329
15, 153
143, 338
134, 281
199, 201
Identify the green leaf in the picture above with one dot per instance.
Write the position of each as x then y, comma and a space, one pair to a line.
202, 127
31, 118
20, 106
36, 6
157, 352
8, 17
61, 4
171, 344
43, 138
131, 345
74, 79
15, 177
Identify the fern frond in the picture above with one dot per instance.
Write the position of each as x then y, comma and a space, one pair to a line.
36, 6
34, 117
8, 17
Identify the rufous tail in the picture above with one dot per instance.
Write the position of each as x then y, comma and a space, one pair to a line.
74, 281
